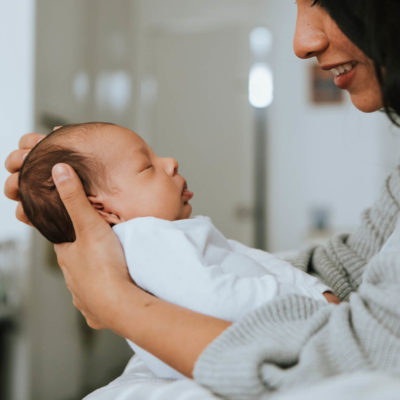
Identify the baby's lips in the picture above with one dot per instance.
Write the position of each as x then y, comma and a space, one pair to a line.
187, 195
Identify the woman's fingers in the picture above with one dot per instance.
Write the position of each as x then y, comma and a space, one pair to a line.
20, 214
82, 214
15, 160
11, 187
30, 140
26, 143
11, 191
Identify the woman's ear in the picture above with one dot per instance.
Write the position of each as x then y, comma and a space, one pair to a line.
107, 214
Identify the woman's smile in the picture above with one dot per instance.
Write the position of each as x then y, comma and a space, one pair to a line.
343, 74
317, 35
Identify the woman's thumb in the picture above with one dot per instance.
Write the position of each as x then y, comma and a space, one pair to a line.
69, 187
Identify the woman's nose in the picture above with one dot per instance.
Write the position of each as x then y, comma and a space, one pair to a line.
171, 166
310, 40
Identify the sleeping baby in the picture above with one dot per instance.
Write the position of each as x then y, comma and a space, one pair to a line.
183, 260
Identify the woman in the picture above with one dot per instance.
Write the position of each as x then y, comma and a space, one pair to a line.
294, 340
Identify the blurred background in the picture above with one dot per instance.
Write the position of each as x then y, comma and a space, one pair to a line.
274, 153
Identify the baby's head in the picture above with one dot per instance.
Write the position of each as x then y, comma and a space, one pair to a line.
122, 177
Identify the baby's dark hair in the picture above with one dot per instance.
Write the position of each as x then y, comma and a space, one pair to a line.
38, 194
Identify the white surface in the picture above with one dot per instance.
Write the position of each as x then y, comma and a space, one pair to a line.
16, 96
190, 263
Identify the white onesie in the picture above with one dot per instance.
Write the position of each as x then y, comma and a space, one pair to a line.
190, 263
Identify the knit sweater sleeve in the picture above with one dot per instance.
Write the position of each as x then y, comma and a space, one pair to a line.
341, 262
297, 341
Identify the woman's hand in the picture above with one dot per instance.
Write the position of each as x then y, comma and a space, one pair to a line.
94, 265
331, 298
13, 164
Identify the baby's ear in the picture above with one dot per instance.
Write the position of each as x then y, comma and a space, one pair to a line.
107, 214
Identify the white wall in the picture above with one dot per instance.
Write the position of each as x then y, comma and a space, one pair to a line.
16, 95
16, 118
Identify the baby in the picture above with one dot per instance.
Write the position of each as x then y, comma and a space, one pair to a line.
183, 260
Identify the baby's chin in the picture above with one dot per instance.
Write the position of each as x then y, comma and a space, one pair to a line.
186, 211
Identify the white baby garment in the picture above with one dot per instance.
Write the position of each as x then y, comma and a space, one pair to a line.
190, 263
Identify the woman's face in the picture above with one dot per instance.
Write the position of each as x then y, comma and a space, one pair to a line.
317, 35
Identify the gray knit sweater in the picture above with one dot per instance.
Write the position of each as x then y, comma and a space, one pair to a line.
296, 341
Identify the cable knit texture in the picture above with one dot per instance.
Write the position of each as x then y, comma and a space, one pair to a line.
297, 341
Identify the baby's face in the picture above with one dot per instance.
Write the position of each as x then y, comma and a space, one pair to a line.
142, 184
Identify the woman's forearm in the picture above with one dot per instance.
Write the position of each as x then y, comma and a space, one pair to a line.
174, 334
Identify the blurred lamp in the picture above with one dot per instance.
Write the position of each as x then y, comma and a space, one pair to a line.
260, 42
260, 85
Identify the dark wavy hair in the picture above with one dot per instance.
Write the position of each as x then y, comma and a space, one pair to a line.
384, 36
374, 27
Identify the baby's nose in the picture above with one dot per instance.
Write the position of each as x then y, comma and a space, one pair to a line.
171, 166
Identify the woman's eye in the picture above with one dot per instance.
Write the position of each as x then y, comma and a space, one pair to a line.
148, 167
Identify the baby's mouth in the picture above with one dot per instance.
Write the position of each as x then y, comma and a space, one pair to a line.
186, 194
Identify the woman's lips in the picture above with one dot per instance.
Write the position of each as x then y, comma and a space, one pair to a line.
345, 80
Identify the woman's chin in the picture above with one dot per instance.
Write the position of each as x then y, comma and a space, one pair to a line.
367, 103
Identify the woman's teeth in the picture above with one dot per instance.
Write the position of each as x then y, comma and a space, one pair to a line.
342, 69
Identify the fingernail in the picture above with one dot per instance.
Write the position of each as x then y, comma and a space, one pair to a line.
61, 173
24, 156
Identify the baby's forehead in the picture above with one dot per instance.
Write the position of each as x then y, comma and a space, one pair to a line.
119, 137
104, 139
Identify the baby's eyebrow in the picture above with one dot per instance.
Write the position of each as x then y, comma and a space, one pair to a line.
141, 155
143, 151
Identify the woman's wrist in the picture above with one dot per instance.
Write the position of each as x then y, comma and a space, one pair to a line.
125, 299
